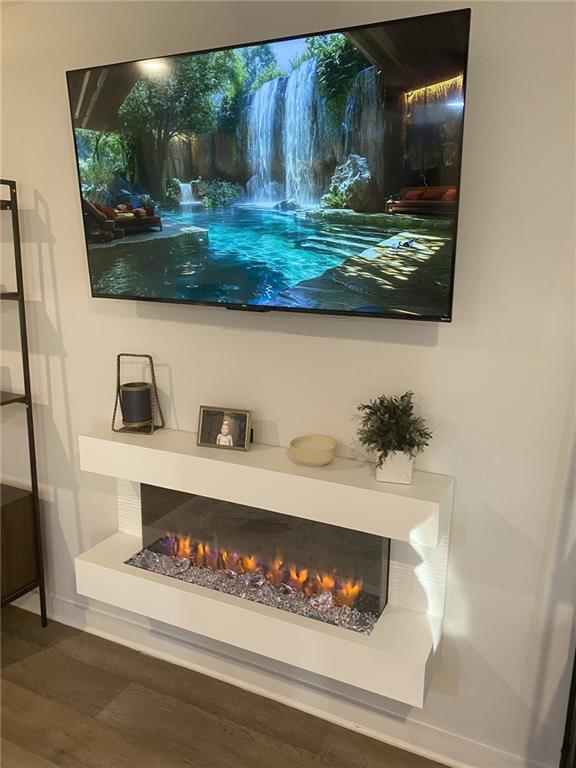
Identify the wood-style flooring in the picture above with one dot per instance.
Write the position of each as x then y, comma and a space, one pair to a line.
75, 700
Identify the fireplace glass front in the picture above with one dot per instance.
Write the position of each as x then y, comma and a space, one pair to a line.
324, 572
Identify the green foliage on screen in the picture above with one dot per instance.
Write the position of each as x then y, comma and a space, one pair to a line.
337, 64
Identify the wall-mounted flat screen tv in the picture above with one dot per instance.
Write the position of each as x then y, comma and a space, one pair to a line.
318, 173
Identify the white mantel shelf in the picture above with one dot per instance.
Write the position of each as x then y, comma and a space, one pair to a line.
345, 493
393, 661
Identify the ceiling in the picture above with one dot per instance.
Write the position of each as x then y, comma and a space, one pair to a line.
415, 53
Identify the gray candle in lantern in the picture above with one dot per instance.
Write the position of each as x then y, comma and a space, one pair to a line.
136, 403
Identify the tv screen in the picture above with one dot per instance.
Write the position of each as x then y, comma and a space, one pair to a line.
312, 174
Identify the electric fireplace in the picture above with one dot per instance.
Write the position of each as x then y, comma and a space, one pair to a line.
320, 571
247, 625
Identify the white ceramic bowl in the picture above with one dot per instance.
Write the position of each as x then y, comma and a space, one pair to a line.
312, 450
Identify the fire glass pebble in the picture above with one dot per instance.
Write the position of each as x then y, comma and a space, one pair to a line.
254, 586
323, 602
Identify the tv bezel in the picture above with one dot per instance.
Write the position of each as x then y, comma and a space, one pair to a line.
387, 315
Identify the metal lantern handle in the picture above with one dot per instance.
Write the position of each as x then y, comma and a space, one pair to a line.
154, 401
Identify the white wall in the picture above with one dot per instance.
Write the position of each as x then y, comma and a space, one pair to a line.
495, 384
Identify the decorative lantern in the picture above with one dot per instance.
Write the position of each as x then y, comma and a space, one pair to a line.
139, 403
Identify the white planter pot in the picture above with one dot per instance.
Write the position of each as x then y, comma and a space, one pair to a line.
397, 467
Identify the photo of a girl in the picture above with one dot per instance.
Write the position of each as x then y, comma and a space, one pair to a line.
225, 438
224, 428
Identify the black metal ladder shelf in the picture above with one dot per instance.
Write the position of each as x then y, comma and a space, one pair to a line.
22, 557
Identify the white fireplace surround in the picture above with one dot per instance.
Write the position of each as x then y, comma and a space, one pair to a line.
395, 661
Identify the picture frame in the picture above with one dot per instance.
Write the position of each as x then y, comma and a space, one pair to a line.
224, 428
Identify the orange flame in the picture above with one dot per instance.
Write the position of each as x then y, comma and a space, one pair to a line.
200, 554
184, 546
320, 582
231, 561
298, 577
211, 557
348, 591
275, 573
250, 563
325, 582
345, 591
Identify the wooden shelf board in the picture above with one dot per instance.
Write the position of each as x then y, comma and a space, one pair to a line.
20, 593
6, 398
11, 493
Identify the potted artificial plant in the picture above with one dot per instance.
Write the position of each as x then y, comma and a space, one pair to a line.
390, 428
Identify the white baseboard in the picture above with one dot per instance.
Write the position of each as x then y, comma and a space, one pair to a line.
285, 686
